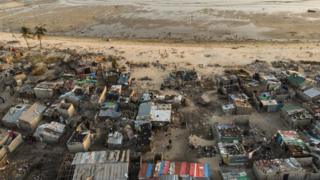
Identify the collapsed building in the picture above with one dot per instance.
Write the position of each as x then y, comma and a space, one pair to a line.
292, 143
296, 116
312, 94
291, 168
265, 102
227, 133
30, 118
228, 84
105, 103
239, 104
49, 132
233, 153
47, 90
230, 175
180, 78
79, 141
157, 114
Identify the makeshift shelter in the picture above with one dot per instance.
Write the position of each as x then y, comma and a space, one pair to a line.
311, 94
115, 140
291, 168
232, 153
79, 141
296, 116
50, 132
292, 143
46, 90
11, 119
30, 118
225, 132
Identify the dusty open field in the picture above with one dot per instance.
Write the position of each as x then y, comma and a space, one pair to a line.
205, 20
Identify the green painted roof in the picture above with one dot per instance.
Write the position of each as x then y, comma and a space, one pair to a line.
296, 80
290, 107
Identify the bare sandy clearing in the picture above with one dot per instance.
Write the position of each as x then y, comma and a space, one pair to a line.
226, 54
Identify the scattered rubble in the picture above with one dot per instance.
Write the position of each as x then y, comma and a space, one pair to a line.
92, 110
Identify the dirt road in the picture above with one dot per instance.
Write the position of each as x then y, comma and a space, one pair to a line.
196, 20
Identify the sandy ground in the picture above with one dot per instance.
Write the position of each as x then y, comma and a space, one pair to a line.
181, 20
222, 53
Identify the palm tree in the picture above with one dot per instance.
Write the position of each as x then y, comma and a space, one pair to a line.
39, 32
26, 33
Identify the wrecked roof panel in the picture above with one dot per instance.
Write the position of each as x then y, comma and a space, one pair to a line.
312, 92
161, 112
99, 157
33, 112
144, 111
14, 113
114, 171
108, 165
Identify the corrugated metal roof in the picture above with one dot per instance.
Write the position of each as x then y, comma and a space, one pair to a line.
296, 80
144, 111
169, 177
101, 165
291, 107
312, 92
100, 157
108, 171
184, 169
146, 170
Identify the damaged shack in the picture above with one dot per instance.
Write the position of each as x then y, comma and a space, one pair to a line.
228, 133
292, 143
49, 132
158, 114
11, 119
291, 168
30, 118
233, 153
296, 116
79, 141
